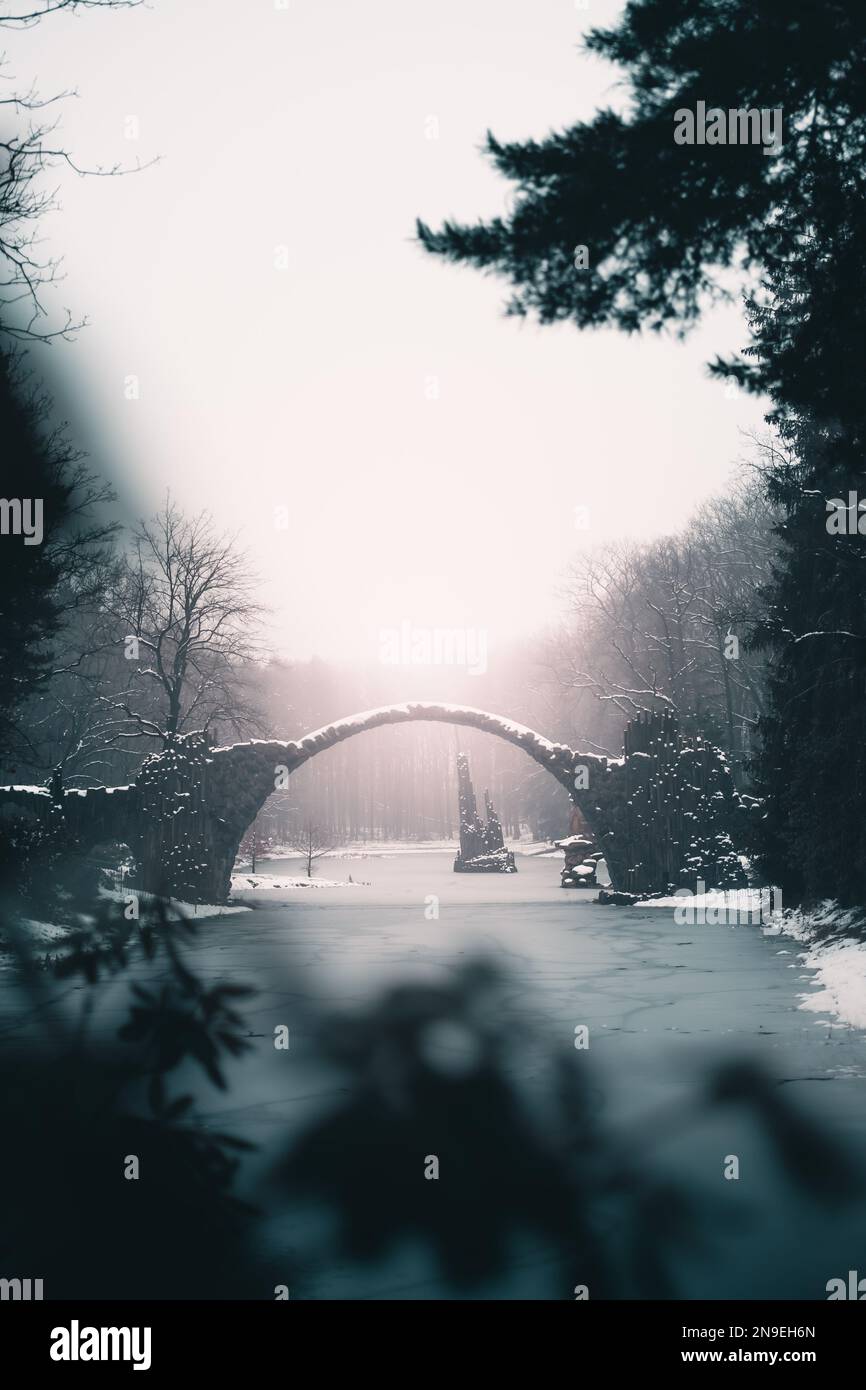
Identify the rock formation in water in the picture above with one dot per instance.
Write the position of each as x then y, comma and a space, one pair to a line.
482, 844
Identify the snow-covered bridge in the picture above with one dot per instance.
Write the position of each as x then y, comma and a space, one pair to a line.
188, 808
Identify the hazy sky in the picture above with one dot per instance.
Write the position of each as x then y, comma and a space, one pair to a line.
299, 137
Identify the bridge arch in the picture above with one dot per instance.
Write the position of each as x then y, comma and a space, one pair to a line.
186, 812
664, 813
244, 773
557, 758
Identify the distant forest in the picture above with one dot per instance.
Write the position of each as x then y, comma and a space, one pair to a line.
162, 633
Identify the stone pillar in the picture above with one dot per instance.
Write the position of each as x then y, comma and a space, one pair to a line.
191, 814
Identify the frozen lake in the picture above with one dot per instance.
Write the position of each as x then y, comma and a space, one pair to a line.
403, 878
661, 1003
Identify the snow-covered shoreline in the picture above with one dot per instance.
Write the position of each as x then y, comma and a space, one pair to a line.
835, 949
718, 906
833, 941
245, 883
380, 849
175, 908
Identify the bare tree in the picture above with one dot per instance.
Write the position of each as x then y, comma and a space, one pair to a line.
256, 839
263, 835
26, 154
312, 841
156, 643
188, 617
664, 625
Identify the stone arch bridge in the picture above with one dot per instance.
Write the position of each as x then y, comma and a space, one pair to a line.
664, 814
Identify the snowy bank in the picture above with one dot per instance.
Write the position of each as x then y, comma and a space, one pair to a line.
719, 906
175, 909
836, 952
245, 882
35, 933
834, 939
386, 849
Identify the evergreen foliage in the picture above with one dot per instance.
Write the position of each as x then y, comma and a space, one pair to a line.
665, 225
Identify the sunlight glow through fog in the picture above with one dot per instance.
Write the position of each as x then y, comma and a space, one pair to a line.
431, 452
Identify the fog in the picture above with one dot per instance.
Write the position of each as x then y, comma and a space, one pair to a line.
264, 333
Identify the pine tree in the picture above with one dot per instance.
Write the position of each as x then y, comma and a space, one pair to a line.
65, 560
661, 221
809, 355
